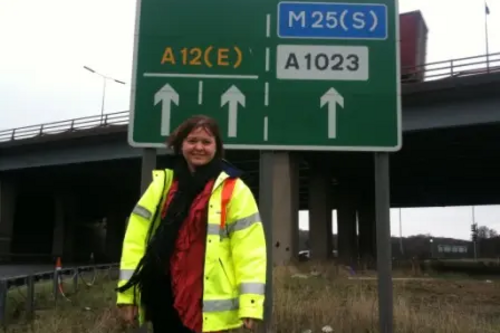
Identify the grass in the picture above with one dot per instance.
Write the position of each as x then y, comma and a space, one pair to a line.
303, 301
431, 305
90, 309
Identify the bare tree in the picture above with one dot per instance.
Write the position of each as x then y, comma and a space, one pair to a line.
484, 232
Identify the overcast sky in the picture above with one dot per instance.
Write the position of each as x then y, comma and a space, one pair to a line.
45, 43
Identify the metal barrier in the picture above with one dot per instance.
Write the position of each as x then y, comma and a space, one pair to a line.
456, 68
58, 292
65, 126
449, 69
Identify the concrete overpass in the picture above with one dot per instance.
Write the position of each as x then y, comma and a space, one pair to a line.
83, 170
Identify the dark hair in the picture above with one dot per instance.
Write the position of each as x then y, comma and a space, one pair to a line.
176, 139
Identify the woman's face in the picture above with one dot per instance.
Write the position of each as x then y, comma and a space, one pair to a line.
199, 147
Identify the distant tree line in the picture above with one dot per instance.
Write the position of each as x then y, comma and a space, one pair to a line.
488, 242
484, 232
421, 246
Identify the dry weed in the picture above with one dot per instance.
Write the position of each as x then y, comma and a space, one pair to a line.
347, 305
305, 301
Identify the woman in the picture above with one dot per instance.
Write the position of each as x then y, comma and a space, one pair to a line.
194, 253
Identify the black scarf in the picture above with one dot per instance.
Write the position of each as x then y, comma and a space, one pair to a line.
152, 275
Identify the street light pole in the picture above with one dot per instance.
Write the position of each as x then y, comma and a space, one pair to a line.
103, 96
104, 80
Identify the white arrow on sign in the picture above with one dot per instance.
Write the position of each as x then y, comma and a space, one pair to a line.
233, 96
332, 98
166, 95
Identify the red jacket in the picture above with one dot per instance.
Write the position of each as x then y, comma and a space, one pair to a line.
187, 262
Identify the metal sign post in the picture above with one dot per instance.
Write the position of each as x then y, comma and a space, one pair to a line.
384, 257
265, 208
148, 164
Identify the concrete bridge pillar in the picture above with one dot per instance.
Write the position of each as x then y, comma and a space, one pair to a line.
347, 242
64, 227
285, 209
367, 241
116, 220
366, 222
8, 195
59, 226
320, 213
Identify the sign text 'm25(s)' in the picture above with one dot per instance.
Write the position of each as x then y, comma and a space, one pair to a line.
207, 57
332, 20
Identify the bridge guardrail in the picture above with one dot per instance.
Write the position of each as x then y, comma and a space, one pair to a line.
455, 68
449, 69
63, 126
56, 278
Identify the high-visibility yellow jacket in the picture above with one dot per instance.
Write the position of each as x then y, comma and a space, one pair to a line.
235, 259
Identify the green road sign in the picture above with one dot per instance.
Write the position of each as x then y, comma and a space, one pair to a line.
277, 75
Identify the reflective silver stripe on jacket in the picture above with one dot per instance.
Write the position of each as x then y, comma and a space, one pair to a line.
258, 288
142, 212
243, 223
253, 288
126, 274
213, 229
219, 305
233, 303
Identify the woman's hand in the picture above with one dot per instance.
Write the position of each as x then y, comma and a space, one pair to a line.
128, 313
248, 323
